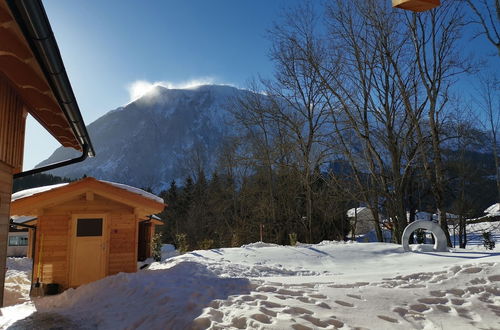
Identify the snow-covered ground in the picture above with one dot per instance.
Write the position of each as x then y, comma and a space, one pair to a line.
17, 281
264, 286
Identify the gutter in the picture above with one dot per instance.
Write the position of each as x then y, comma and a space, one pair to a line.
11, 222
31, 17
52, 166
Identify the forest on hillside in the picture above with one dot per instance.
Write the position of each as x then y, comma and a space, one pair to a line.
367, 106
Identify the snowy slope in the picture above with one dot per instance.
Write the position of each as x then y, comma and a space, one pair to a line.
153, 137
264, 286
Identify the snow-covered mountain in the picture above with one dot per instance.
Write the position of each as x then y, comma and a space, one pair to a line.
151, 141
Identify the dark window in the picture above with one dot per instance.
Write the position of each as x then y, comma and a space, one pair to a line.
89, 227
18, 241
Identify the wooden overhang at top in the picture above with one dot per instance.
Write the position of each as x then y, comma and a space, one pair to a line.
20, 67
416, 5
33, 204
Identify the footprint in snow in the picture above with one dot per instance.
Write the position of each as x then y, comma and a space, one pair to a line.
471, 270
262, 318
387, 318
419, 308
494, 278
344, 303
317, 322
433, 301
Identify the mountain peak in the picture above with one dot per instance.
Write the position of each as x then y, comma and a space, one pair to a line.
147, 143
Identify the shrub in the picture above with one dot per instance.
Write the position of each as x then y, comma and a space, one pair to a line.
293, 239
181, 243
206, 244
488, 243
235, 240
156, 247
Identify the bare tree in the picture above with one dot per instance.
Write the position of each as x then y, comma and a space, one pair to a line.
298, 95
371, 74
488, 101
486, 15
435, 35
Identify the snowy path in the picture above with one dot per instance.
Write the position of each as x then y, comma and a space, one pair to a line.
263, 286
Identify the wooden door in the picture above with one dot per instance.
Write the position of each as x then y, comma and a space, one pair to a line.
89, 250
144, 241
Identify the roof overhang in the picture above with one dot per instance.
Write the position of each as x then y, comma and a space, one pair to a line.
32, 204
30, 60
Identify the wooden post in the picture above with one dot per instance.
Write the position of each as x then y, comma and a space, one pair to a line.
5, 196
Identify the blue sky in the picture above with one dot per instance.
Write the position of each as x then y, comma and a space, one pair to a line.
108, 45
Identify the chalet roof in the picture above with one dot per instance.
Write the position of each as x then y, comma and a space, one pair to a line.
31, 61
38, 190
27, 200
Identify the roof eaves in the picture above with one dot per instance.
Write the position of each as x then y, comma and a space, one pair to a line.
31, 17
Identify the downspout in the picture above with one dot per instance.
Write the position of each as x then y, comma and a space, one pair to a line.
81, 158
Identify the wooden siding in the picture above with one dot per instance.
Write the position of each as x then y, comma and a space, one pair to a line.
54, 237
123, 244
52, 249
5, 192
12, 126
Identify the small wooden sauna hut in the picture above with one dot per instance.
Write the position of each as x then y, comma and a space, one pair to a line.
85, 230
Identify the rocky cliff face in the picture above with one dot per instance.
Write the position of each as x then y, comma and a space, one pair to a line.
148, 142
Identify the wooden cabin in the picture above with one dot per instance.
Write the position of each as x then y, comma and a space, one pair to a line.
33, 81
86, 230
416, 5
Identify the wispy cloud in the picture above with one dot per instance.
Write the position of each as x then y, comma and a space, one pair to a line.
139, 88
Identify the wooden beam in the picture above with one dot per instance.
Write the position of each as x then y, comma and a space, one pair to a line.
416, 5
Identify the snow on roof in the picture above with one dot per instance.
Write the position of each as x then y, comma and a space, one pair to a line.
22, 219
135, 191
493, 209
35, 191
449, 216
39, 190
351, 213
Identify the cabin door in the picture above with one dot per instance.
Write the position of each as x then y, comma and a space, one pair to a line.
89, 250
143, 251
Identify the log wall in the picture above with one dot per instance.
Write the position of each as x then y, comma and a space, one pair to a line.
54, 235
5, 193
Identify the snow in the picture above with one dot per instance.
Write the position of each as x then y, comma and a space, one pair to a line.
135, 191
351, 213
266, 286
493, 210
17, 281
34, 191
39, 190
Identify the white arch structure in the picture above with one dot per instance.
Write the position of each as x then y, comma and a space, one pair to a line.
441, 243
